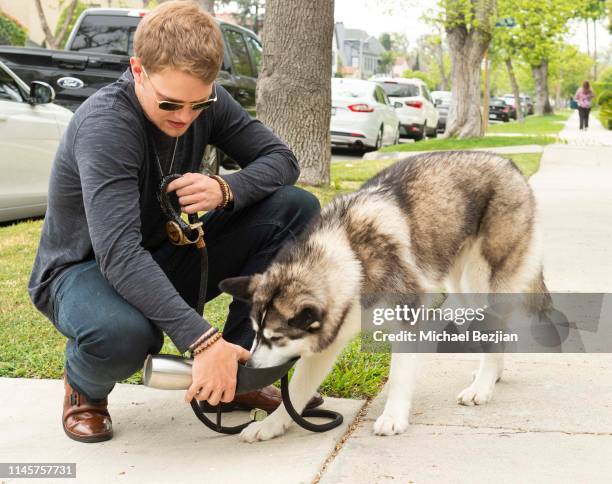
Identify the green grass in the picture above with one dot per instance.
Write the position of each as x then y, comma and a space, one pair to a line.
30, 346
442, 144
534, 125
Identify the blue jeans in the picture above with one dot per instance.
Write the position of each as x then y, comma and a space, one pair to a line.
109, 339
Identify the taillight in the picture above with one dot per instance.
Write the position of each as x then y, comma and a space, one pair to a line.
414, 104
361, 108
506, 109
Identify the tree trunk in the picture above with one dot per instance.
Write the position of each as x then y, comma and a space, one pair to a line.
467, 50
540, 77
45, 26
520, 116
53, 41
440, 58
558, 101
586, 23
294, 99
67, 20
595, 49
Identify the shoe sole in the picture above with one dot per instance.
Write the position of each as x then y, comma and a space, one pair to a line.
89, 440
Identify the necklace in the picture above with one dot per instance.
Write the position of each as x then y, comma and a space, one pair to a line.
161, 172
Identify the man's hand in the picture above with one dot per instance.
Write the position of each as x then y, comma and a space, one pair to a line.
214, 372
196, 192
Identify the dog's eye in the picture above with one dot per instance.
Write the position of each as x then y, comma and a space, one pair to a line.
304, 319
275, 338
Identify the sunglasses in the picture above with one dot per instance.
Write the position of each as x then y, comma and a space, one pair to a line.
176, 106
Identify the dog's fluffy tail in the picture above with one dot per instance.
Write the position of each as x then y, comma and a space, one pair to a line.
539, 300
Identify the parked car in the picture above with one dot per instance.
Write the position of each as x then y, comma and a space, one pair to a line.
98, 51
418, 115
442, 101
499, 110
526, 100
526, 103
31, 126
362, 115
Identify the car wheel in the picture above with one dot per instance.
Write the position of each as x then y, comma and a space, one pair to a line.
433, 133
419, 136
379, 139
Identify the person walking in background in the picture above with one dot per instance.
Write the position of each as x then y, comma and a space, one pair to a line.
584, 97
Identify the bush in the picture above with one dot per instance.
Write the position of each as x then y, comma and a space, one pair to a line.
423, 76
604, 100
11, 31
605, 76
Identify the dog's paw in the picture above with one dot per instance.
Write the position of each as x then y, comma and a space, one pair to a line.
391, 424
476, 394
263, 430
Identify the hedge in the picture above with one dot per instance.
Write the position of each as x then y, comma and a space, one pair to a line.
11, 31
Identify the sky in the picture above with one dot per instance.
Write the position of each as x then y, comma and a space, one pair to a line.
377, 16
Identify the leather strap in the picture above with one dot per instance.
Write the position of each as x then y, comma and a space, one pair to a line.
190, 233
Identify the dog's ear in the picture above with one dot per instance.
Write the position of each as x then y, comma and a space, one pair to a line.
241, 288
309, 318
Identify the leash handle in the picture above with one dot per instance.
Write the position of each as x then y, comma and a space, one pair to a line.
182, 233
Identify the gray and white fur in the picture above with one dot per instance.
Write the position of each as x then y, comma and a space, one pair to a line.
464, 220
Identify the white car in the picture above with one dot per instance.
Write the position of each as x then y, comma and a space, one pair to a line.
30, 130
418, 115
362, 115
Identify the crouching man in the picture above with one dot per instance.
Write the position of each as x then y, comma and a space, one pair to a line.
105, 273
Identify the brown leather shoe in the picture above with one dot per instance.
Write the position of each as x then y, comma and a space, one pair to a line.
267, 398
83, 420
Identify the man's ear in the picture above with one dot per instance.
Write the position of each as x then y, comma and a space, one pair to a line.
239, 287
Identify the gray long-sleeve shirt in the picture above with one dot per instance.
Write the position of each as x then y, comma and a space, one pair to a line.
102, 197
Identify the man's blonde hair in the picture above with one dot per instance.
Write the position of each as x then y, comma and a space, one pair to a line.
180, 35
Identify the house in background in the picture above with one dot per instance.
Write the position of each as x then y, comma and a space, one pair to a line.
355, 52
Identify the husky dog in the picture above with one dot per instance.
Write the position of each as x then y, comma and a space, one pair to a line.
464, 219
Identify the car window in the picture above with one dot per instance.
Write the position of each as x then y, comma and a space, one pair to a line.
9, 89
348, 89
394, 89
256, 52
105, 33
240, 55
426, 93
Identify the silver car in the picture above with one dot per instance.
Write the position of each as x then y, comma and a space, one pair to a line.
30, 130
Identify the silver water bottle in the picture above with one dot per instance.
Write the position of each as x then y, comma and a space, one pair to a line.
167, 372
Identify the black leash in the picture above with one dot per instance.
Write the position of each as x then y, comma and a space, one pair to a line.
183, 233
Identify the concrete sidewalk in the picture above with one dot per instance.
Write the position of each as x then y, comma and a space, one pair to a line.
551, 417
157, 439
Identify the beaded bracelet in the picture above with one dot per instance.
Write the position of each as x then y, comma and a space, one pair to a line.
207, 343
225, 190
211, 331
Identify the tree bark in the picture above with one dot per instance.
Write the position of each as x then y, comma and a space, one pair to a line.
520, 116
67, 20
45, 26
294, 99
540, 77
53, 41
440, 58
467, 50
